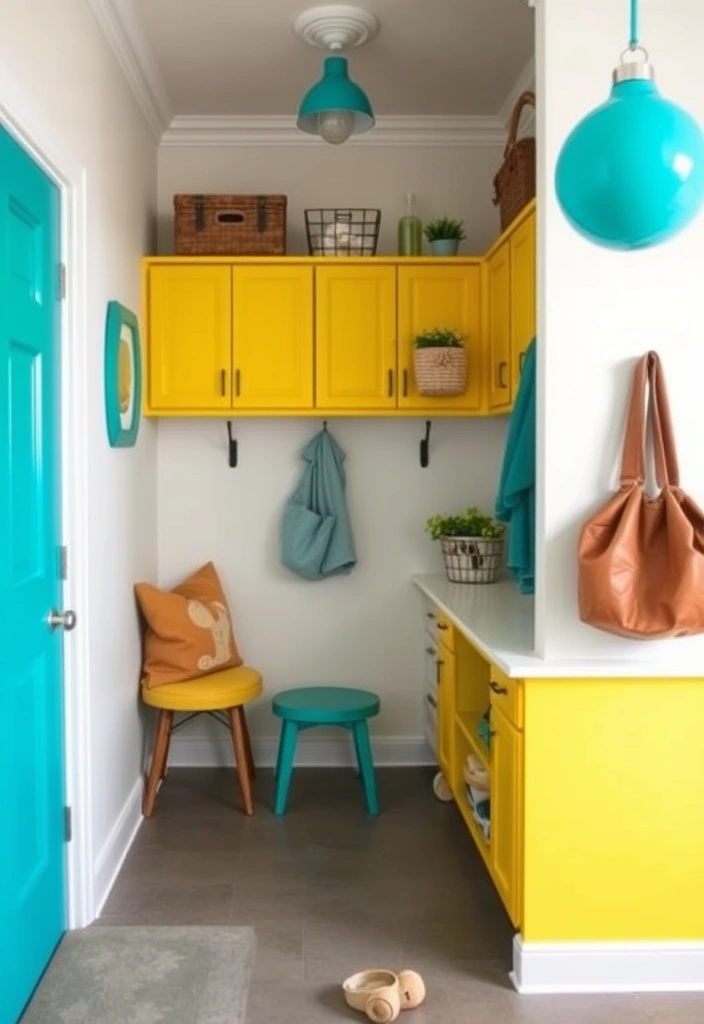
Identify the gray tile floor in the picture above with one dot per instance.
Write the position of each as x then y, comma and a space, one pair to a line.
331, 891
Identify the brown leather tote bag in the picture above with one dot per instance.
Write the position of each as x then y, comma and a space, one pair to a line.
641, 559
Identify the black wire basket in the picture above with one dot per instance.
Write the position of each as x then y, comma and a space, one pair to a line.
342, 231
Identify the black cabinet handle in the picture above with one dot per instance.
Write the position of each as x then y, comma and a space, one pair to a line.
223, 379
502, 368
498, 689
431, 700
405, 383
237, 383
391, 383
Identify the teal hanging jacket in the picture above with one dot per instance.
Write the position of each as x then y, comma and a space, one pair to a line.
515, 502
316, 537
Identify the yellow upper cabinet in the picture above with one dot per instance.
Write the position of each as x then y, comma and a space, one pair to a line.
189, 337
523, 280
498, 324
355, 309
439, 296
272, 337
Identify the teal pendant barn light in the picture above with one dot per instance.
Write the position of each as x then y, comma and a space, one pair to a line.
631, 174
335, 107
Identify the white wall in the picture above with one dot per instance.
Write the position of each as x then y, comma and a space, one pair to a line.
447, 182
600, 310
362, 629
64, 72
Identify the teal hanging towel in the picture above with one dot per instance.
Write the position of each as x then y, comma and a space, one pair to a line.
316, 537
515, 502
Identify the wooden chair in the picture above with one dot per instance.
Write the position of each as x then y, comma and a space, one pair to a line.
221, 695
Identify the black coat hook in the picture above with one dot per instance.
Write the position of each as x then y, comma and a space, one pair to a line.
232, 454
424, 446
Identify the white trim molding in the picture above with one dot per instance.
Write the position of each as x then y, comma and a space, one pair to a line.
208, 751
607, 967
120, 25
117, 845
281, 130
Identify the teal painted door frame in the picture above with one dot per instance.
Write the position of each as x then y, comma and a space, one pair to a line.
32, 837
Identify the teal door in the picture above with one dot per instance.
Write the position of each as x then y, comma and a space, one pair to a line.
32, 883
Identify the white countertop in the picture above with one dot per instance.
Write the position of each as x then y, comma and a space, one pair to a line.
499, 621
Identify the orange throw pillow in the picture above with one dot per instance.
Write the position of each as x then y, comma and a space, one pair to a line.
189, 632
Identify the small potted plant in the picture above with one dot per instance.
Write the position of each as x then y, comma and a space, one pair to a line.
439, 362
472, 545
444, 236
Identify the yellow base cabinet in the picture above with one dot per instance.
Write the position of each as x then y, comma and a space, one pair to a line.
596, 797
443, 296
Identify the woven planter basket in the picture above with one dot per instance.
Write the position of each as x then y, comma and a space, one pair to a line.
472, 559
440, 371
514, 184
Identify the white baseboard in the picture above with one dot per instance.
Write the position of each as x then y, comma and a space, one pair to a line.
607, 966
201, 751
117, 845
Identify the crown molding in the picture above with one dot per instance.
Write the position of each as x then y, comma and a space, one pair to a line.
121, 28
281, 130
526, 80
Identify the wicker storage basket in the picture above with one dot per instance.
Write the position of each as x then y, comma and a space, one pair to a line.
514, 184
472, 559
440, 371
226, 225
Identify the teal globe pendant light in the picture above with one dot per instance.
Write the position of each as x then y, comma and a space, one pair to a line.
335, 107
631, 173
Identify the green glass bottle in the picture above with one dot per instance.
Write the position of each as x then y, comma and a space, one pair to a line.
410, 230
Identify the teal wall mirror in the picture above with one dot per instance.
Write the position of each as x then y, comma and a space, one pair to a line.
123, 375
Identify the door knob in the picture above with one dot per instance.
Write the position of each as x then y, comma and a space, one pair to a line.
66, 620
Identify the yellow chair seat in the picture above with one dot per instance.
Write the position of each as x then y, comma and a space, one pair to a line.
227, 689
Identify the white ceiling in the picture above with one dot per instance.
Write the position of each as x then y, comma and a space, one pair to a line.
241, 57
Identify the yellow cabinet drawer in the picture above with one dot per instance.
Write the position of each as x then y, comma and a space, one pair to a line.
507, 695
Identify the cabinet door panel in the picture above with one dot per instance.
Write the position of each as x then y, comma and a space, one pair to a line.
522, 295
506, 803
442, 296
499, 326
189, 337
272, 317
355, 337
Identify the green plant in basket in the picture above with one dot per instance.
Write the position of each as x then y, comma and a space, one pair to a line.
442, 228
470, 523
438, 337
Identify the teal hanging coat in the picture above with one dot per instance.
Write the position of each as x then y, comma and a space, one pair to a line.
316, 538
515, 503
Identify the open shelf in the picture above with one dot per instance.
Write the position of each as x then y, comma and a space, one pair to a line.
481, 842
467, 722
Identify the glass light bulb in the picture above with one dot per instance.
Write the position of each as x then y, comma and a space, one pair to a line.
336, 126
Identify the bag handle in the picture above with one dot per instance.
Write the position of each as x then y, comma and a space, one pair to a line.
648, 374
526, 99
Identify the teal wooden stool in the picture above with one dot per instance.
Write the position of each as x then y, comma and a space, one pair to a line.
307, 706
